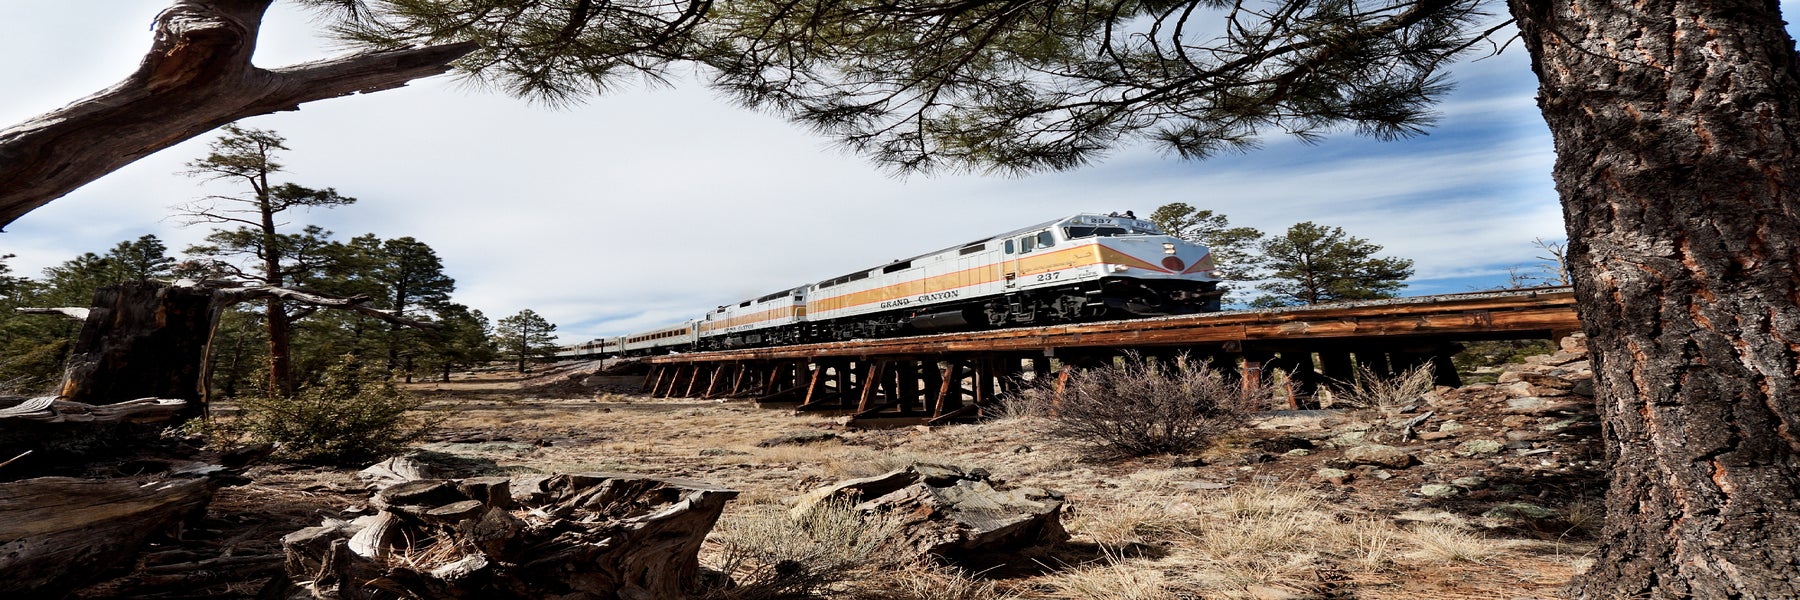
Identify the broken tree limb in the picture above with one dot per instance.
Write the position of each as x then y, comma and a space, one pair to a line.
358, 304
196, 77
78, 314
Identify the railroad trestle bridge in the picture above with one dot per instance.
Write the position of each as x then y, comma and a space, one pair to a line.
940, 378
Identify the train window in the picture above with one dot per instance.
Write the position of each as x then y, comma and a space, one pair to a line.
743, 304
899, 266
1046, 239
859, 275
1081, 232
1009, 246
1026, 244
967, 250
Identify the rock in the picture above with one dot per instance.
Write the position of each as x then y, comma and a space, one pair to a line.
1432, 436
1451, 427
1546, 381
1438, 490
1472, 482
1298, 452
1381, 474
1337, 476
1584, 387
1516, 421
1348, 439
1281, 444
721, 452
797, 438
1535, 405
1519, 511
1256, 458
1479, 448
1379, 455
1516, 389
1520, 435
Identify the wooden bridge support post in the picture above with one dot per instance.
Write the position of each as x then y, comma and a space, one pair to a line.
871, 385
815, 382
1444, 368
906, 386
931, 374
950, 390
653, 379
1339, 370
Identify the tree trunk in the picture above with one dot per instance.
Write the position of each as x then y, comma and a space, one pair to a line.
1674, 123
196, 77
281, 379
142, 340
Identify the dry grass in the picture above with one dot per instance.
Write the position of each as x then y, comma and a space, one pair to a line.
771, 556
1441, 543
1115, 580
1373, 390
932, 582
1142, 530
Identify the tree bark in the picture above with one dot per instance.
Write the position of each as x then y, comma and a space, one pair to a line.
1674, 123
196, 77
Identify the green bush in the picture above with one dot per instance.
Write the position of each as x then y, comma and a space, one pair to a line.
1138, 407
351, 415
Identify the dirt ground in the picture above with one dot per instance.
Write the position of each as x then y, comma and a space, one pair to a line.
1250, 518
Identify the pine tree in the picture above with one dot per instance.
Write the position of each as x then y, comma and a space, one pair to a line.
1314, 264
525, 337
256, 249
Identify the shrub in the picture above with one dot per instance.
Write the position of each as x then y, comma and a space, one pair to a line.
351, 415
1372, 390
1138, 407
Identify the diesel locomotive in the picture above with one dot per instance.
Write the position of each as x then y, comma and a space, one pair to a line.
1081, 268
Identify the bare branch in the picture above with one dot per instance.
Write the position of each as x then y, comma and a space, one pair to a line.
78, 314
196, 77
359, 304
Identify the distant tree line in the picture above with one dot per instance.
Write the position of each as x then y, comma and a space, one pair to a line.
275, 347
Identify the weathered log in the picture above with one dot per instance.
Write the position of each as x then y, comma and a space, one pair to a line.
946, 512
57, 533
589, 535
60, 432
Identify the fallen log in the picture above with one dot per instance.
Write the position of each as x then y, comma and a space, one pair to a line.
58, 533
574, 536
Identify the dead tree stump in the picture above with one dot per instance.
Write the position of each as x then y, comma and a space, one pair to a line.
576, 536
142, 340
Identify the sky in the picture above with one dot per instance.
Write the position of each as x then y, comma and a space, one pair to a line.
652, 205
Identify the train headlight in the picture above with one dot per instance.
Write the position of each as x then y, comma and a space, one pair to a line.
1120, 268
1168, 248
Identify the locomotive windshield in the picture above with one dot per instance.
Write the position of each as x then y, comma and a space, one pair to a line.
1082, 231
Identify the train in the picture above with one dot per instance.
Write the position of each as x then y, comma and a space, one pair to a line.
1084, 267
